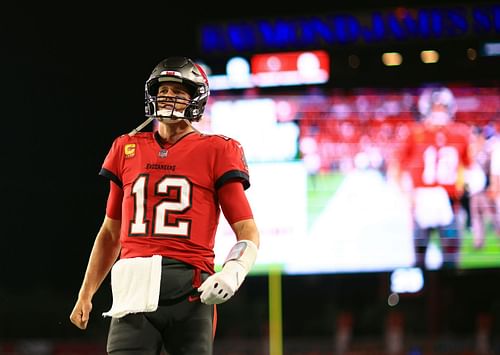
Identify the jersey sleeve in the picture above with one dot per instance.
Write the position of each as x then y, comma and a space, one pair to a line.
114, 203
231, 164
111, 167
234, 203
467, 158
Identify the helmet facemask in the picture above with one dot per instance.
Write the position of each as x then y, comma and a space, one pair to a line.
166, 108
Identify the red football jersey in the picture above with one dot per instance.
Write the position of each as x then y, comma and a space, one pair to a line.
170, 205
434, 156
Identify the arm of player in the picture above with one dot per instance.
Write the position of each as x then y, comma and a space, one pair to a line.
221, 286
104, 253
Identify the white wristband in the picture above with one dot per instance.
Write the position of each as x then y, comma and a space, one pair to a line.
244, 252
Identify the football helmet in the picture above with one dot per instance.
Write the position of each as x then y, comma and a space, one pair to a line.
181, 70
437, 96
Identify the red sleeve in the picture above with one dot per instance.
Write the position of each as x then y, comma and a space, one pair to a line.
231, 163
467, 159
113, 163
114, 204
234, 202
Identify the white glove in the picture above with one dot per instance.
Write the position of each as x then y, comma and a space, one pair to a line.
221, 286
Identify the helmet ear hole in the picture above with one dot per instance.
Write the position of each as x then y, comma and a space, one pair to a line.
193, 111
150, 108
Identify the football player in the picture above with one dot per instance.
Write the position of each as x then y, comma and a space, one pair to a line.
482, 205
167, 188
433, 158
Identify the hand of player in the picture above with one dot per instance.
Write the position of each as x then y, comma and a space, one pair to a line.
80, 314
221, 286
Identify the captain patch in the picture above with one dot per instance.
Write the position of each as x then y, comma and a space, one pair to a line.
129, 150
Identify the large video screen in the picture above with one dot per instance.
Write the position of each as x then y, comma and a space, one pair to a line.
324, 191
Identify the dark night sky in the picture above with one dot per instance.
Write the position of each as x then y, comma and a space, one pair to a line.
72, 80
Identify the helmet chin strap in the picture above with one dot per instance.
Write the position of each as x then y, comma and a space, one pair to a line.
166, 116
169, 115
141, 126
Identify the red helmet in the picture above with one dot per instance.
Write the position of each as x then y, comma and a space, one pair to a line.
181, 70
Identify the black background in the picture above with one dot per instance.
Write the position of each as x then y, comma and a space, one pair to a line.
72, 80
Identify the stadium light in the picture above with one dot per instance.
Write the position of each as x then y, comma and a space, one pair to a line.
391, 59
429, 56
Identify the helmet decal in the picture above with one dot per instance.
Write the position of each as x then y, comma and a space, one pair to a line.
171, 73
202, 72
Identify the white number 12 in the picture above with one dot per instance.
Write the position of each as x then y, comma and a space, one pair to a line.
166, 207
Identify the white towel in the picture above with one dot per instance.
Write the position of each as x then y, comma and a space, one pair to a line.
135, 285
432, 207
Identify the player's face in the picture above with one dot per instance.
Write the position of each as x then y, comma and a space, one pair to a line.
439, 115
172, 96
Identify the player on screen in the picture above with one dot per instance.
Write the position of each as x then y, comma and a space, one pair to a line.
167, 188
493, 172
433, 158
482, 203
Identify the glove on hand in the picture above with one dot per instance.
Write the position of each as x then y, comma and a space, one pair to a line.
221, 286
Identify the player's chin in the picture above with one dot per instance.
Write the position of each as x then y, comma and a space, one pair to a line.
171, 120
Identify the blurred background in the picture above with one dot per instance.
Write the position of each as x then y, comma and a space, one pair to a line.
320, 95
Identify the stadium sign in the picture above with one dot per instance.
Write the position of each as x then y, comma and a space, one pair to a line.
402, 24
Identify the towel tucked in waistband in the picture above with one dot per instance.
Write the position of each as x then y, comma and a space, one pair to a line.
135, 285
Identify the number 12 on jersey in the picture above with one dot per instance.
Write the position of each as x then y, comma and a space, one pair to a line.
172, 196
